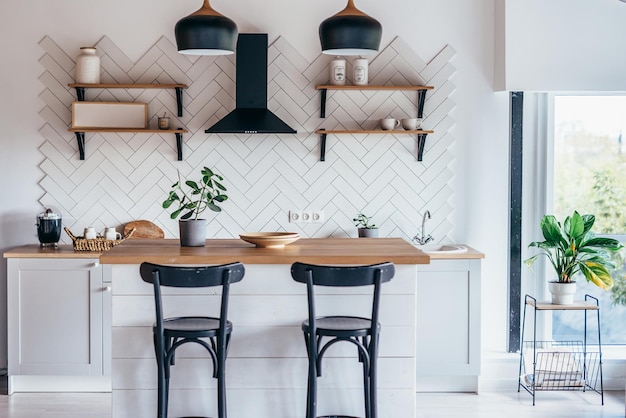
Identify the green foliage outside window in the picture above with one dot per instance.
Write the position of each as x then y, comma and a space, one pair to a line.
590, 176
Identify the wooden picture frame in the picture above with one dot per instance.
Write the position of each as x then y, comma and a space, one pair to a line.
109, 115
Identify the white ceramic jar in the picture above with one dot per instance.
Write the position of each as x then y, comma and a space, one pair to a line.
88, 66
360, 69
338, 72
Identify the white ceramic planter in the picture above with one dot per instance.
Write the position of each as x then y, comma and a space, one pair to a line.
562, 293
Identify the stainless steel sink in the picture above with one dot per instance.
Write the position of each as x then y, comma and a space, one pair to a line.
442, 248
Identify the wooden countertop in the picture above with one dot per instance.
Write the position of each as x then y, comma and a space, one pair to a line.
63, 251
218, 251
307, 250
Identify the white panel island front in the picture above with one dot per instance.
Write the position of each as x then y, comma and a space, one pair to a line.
267, 365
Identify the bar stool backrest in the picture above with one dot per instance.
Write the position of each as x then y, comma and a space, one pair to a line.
181, 276
342, 276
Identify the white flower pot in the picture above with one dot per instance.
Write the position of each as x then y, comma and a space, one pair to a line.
562, 293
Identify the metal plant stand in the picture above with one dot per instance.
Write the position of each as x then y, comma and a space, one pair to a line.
560, 365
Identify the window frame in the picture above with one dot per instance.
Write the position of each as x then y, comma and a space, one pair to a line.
537, 176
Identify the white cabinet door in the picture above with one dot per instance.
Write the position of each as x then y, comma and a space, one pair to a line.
448, 318
55, 317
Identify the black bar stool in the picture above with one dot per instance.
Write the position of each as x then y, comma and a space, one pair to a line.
362, 332
171, 333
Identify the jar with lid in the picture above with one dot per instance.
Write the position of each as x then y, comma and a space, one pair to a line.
360, 76
88, 66
338, 72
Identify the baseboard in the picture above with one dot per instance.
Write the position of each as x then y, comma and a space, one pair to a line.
59, 384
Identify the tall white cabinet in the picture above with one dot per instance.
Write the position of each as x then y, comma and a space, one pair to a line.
58, 322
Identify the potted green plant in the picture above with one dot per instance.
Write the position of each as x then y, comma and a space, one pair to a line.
573, 248
193, 201
366, 229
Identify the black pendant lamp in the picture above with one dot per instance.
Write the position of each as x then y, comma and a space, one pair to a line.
350, 32
206, 32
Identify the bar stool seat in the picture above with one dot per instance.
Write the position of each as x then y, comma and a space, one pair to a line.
340, 326
362, 332
193, 326
213, 333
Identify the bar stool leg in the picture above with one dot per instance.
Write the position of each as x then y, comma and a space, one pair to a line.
311, 390
364, 360
366, 389
221, 383
373, 352
161, 387
161, 393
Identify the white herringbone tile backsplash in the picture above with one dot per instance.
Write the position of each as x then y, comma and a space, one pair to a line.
126, 176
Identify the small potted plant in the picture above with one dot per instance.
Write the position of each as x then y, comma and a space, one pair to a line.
192, 201
571, 248
366, 229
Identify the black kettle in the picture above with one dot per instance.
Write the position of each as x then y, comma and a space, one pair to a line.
49, 228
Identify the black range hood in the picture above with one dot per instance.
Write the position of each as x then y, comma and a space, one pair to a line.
251, 114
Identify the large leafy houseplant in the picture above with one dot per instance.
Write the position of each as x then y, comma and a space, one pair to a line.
192, 201
572, 247
202, 195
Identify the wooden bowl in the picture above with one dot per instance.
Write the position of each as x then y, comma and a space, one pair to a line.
270, 239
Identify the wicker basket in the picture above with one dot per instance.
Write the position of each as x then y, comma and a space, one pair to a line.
96, 244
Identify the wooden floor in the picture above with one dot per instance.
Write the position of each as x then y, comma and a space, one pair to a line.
430, 405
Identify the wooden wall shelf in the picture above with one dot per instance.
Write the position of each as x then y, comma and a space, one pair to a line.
80, 94
80, 90
80, 136
421, 98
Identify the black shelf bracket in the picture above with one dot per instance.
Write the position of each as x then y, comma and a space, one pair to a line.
421, 142
179, 101
323, 147
80, 94
421, 98
179, 145
323, 104
80, 139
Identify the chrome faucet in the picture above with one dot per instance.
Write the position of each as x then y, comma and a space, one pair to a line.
424, 239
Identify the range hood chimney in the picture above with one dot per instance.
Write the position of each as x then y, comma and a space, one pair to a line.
251, 114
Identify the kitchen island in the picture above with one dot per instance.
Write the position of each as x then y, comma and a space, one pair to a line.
267, 364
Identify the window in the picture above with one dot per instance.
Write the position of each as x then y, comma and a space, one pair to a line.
589, 175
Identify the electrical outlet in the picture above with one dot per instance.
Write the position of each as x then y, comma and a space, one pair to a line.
295, 216
306, 216
317, 216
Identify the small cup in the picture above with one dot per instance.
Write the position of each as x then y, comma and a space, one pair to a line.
389, 124
111, 234
90, 233
164, 123
412, 124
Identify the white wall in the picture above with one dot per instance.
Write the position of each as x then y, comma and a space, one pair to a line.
562, 45
481, 167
